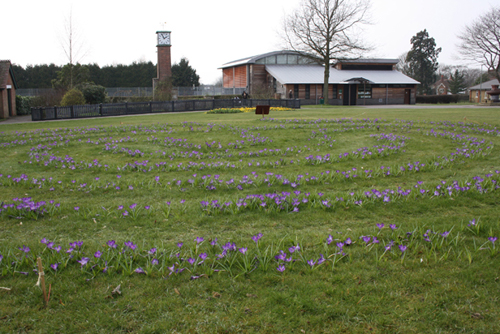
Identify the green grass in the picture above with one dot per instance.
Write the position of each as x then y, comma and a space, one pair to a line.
445, 285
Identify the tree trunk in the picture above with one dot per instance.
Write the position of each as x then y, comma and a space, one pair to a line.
326, 79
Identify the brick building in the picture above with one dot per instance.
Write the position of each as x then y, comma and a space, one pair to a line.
8, 88
287, 73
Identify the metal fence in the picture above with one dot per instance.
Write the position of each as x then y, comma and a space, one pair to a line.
202, 90
116, 109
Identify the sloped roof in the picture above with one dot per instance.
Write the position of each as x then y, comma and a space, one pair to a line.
313, 74
5, 71
370, 61
253, 59
485, 85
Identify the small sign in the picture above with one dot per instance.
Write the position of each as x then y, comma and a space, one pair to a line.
9, 87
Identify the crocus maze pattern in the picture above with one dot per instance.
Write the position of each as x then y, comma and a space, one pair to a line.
225, 169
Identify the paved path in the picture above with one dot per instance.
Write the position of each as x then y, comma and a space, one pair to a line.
17, 119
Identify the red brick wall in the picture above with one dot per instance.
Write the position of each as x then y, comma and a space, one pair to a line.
164, 66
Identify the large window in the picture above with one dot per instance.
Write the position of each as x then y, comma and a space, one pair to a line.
308, 92
296, 91
364, 91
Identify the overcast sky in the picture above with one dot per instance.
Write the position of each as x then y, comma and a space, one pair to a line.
208, 33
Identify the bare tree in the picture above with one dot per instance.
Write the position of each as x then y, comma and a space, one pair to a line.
480, 42
324, 30
72, 44
403, 65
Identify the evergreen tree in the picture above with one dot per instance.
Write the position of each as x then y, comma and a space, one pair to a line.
457, 82
422, 59
183, 75
70, 76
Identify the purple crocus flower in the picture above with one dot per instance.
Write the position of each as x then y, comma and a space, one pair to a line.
348, 242
130, 245
1, 257
257, 237
203, 256
243, 250
152, 251
25, 249
191, 260
132, 206
179, 244
402, 248
84, 261
445, 234
492, 239
111, 244
44, 241
281, 268
321, 259
139, 271
213, 242
77, 208
393, 227
367, 239
329, 239
98, 254
154, 262
281, 256
54, 266
311, 262
380, 226
199, 240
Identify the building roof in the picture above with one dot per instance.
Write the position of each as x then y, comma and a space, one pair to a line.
313, 74
5, 71
370, 61
253, 59
485, 85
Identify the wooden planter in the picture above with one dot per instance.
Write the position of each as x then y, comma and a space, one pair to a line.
262, 110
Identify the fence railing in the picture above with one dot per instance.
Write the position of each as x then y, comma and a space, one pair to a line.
202, 90
117, 109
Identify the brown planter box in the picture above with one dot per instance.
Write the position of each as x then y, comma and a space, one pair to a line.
262, 110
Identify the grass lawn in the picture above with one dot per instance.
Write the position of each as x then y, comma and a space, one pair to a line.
323, 220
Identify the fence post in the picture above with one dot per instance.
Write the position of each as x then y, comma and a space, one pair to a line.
194, 105
55, 112
173, 106
150, 107
72, 112
213, 104
100, 109
126, 107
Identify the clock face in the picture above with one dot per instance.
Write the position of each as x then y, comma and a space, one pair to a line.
163, 38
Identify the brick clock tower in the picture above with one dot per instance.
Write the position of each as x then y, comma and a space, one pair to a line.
164, 65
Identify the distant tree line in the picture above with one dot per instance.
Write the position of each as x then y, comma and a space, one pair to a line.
42, 76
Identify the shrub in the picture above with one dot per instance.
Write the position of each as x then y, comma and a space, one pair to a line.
24, 104
438, 98
93, 94
73, 97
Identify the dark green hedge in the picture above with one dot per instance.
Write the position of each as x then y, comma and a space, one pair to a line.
435, 99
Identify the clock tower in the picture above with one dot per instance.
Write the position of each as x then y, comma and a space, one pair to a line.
164, 65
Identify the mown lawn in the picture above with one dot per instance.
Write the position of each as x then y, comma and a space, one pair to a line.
319, 220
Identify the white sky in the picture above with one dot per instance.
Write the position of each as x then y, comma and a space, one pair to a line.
209, 33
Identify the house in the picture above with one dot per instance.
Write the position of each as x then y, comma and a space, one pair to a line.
442, 86
351, 82
478, 94
8, 88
